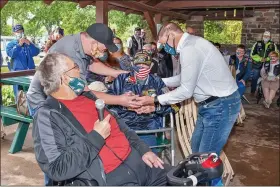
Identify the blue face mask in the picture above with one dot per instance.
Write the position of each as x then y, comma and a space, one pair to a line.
104, 57
119, 46
77, 85
169, 49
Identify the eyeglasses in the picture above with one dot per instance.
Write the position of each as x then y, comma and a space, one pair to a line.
75, 67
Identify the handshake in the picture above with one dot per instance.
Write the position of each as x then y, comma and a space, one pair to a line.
140, 105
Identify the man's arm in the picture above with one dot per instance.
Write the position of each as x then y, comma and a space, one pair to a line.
34, 50
13, 49
56, 157
254, 55
101, 69
161, 109
35, 94
172, 81
191, 60
248, 70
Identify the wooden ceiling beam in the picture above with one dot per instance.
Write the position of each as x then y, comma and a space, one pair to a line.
142, 7
48, 2
83, 4
126, 10
212, 4
3, 3
153, 2
149, 18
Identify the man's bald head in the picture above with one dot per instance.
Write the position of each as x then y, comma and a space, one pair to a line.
170, 33
169, 28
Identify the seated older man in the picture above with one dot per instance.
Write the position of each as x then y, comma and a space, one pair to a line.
72, 145
141, 83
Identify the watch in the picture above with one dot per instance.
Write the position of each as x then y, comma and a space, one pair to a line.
156, 100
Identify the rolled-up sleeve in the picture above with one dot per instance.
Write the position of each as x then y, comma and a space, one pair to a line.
172, 81
191, 60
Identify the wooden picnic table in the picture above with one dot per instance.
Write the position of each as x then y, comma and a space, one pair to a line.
10, 115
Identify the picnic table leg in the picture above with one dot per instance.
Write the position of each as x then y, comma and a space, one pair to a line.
19, 137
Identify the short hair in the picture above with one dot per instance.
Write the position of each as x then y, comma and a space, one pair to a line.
137, 29
147, 45
117, 38
217, 44
153, 43
166, 28
274, 53
241, 46
50, 70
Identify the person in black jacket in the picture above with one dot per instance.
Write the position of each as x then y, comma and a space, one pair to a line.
72, 145
135, 43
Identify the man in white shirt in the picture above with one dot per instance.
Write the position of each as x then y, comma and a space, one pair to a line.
134, 43
206, 77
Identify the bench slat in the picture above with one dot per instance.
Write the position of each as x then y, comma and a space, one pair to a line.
11, 112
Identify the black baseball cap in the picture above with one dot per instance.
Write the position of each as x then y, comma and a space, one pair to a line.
103, 34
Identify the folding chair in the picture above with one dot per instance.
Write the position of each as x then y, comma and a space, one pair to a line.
164, 143
241, 115
185, 123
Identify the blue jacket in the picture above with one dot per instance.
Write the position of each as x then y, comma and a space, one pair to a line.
153, 86
22, 56
245, 67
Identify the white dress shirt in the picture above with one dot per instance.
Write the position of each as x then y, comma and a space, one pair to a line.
204, 73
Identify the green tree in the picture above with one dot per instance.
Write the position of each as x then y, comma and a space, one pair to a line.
124, 24
224, 32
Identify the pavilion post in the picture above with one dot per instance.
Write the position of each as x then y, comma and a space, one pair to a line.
102, 12
151, 23
158, 21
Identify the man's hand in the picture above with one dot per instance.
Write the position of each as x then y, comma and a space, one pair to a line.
103, 128
145, 100
243, 82
27, 41
118, 72
129, 100
152, 160
21, 41
263, 60
145, 109
109, 79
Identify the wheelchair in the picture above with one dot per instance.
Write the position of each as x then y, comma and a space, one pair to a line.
166, 147
196, 170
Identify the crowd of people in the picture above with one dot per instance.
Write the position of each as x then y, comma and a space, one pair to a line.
139, 86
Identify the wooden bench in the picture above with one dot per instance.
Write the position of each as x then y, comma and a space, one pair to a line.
9, 117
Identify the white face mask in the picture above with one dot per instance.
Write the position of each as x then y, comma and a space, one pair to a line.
265, 40
19, 35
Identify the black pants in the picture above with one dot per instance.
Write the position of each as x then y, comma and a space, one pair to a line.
134, 172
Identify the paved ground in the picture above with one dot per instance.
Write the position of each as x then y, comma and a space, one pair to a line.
253, 151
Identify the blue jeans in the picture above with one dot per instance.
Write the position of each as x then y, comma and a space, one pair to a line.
255, 77
150, 140
214, 123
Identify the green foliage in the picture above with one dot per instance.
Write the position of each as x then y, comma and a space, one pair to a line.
183, 26
37, 17
224, 32
8, 97
124, 24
